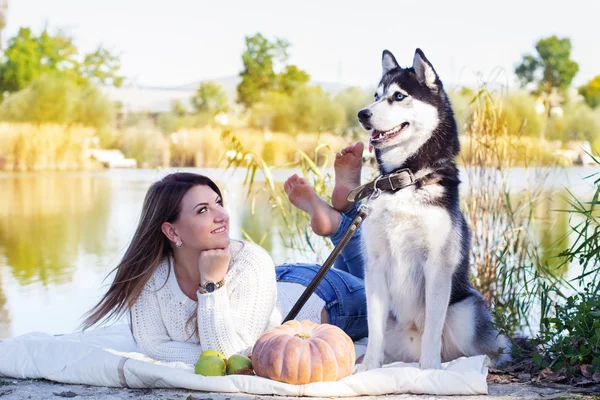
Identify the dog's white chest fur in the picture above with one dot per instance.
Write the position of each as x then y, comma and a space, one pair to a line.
400, 233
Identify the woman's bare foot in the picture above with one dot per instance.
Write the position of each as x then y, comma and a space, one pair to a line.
324, 219
347, 166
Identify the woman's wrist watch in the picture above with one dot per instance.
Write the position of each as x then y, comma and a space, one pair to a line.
210, 286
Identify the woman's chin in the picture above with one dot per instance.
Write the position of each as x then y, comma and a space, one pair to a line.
222, 242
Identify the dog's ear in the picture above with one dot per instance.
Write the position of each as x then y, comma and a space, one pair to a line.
388, 62
424, 70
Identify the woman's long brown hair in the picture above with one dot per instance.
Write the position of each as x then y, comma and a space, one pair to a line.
148, 247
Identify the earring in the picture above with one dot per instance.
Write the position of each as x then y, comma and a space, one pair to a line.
179, 244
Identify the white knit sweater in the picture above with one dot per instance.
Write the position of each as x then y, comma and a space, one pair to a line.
230, 319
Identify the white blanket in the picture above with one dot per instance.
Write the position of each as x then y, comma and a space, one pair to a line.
109, 357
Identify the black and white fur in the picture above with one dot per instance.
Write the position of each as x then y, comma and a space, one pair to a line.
421, 305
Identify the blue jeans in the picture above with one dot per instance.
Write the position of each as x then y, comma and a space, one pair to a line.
343, 288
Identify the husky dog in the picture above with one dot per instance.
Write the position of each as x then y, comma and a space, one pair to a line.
421, 305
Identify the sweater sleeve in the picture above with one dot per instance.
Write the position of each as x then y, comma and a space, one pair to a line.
232, 318
150, 332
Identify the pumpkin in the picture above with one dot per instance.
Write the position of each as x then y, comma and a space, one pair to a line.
304, 352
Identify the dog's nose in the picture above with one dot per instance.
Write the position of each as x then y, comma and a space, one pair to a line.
364, 114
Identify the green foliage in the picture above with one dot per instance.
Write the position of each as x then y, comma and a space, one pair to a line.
210, 98
526, 71
591, 92
171, 122
310, 109
258, 75
552, 66
579, 122
521, 115
291, 78
58, 99
178, 108
28, 57
352, 100
315, 112
570, 338
100, 67
179, 118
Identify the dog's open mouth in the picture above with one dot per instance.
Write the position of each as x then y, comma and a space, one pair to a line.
382, 136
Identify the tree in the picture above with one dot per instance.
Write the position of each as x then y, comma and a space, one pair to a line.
552, 67
291, 78
22, 62
210, 98
259, 76
591, 92
100, 67
28, 57
3, 12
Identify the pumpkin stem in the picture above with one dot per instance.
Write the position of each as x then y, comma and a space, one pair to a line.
303, 336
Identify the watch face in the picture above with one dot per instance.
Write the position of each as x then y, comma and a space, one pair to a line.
210, 287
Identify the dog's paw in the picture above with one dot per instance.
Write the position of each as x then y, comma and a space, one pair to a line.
365, 367
430, 363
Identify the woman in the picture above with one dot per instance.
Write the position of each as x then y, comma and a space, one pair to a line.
188, 288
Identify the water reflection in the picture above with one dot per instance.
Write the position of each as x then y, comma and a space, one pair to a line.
4, 315
46, 220
552, 229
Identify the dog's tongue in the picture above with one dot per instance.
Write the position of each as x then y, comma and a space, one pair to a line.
370, 145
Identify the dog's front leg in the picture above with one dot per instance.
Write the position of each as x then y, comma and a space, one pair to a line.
378, 306
438, 284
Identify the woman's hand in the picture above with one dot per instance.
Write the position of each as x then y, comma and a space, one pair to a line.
213, 264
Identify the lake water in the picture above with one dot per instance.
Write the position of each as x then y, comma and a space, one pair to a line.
62, 233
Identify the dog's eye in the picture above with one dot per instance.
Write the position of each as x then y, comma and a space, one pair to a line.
399, 96
375, 96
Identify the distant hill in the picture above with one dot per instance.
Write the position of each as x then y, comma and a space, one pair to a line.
159, 99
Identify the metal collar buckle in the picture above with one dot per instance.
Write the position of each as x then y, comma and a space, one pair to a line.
376, 192
410, 175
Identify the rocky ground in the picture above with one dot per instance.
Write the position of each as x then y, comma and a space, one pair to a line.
13, 389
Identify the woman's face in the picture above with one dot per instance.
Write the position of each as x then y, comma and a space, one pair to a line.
203, 222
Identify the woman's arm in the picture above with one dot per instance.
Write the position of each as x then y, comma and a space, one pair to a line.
151, 335
232, 318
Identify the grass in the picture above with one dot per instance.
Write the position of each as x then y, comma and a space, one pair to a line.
32, 147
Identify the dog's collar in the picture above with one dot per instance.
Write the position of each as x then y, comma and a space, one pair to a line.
393, 182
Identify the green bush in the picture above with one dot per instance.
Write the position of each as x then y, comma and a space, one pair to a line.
309, 109
570, 338
522, 117
352, 100
58, 99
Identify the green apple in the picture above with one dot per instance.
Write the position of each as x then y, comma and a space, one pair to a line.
210, 366
208, 353
239, 365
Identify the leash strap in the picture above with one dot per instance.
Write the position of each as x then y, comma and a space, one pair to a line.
354, 225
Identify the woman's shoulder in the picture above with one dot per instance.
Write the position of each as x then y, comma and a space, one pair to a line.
160, 276
247, 254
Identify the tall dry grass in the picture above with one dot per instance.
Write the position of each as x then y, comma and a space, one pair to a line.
33, 147
507, 266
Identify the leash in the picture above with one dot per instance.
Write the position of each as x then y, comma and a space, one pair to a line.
390, 183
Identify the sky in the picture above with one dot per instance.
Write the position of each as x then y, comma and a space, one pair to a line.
176, 42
